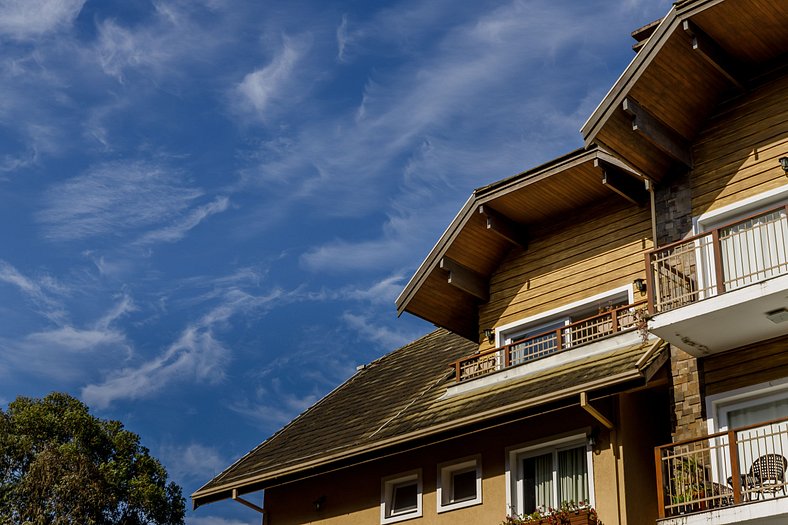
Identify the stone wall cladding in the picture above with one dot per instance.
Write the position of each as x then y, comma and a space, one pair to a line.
673, 204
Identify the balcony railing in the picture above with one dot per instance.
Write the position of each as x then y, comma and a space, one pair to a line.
742, 465
547, 343
726, 258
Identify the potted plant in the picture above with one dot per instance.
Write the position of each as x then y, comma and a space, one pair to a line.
568, 513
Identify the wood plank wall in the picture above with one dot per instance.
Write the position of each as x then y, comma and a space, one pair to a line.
746, 366
736, 155
592, 251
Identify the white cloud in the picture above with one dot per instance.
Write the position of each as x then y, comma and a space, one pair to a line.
342, 38
43, 292
179, 229
22, 19
113, 199
197, 355
192, 462
67, 352
268, 85
367, 328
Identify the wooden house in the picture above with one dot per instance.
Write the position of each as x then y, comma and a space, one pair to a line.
613, 324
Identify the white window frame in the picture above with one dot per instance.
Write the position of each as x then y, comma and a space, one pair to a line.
387, 484
445, 486
719, 405
713, 219
515, 455
504, 333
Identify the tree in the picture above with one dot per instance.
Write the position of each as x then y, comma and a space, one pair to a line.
59, 465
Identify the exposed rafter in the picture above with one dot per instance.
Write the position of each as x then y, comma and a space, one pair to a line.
660, 135
504, 227
465, 279
714, 54
633, 189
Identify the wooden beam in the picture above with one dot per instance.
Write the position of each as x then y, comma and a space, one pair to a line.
712, 53
631, 188
660, 135
594, 412
465, 279
504, 227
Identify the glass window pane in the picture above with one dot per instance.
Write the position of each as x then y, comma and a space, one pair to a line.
537, 483
404, 497
572, 475
464, 485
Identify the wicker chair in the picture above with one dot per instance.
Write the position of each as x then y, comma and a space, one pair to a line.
768, 473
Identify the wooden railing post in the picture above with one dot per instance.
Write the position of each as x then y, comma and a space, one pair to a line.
733, 448
650, 288
559, 344
660, 482
457, 371
718, 270
507, 356
614, 320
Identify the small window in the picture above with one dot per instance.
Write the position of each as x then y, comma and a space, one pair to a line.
459, 484
401, 497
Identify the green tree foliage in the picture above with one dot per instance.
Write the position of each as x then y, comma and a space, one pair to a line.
59, 465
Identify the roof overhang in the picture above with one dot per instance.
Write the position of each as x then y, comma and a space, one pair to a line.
702, 52
452, 282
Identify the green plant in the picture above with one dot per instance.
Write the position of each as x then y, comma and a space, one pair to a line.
560, 516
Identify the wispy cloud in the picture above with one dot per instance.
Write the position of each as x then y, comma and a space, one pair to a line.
198, 355
67, 352
273, 405
22, 19
193, 462
368, 329
177, 230
268, 85
42, 292
119, 198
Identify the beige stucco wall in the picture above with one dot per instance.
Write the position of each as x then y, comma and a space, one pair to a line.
352, 495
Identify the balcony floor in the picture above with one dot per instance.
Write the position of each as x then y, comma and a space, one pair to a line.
765, 512
726, 321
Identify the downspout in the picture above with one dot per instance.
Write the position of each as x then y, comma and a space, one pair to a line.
596, 414
249, 504
652, 198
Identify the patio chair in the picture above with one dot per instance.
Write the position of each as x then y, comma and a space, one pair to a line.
768, 472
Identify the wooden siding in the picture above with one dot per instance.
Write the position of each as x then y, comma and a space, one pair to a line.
746, 366
588, 252
736, 155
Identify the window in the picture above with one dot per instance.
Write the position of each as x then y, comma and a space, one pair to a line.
401, 497
763, 408
548, 474
752, 250
537, 336
459, 484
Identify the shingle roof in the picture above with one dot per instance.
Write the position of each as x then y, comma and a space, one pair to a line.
401, 397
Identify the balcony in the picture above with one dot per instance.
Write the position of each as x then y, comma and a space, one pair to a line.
737, 476
724, 288
613, 321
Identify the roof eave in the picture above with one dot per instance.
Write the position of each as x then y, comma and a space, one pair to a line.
250, 484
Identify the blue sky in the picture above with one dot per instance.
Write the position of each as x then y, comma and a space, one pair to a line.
208, 207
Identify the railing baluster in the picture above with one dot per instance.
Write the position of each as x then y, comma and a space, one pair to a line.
733, 448
651, 290
717, 250
660, 482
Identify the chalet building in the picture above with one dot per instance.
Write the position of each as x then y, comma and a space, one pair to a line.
612, 325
